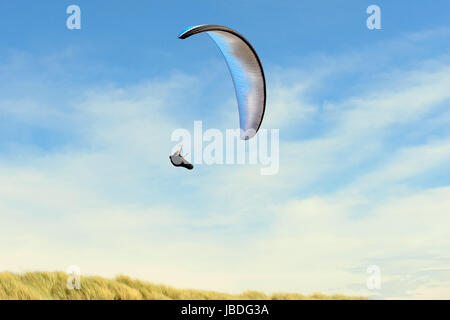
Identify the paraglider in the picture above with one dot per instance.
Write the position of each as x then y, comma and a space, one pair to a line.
246, 71
179, 161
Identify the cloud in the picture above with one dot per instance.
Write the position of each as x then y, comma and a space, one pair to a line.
401, 235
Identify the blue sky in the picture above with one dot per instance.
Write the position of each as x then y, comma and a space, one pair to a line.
85, 123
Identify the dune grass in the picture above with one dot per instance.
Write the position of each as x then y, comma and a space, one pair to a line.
52, 286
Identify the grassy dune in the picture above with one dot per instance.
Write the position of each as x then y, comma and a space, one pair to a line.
52, 286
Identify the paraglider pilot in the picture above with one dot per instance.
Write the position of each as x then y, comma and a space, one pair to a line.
179, 161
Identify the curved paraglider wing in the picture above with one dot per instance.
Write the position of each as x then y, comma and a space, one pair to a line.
246, 71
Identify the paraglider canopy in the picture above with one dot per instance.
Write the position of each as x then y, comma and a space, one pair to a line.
246, 71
